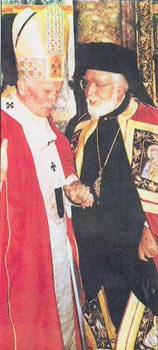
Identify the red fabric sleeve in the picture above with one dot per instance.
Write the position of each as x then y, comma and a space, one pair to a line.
153, 223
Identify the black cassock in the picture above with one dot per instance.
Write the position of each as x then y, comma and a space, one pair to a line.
108, 234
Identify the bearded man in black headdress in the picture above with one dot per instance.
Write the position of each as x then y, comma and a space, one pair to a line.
117, 236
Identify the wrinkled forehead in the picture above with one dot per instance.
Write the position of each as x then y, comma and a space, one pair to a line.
100, 75
44, 84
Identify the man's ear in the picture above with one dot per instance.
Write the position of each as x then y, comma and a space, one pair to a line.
21, 85
121, 91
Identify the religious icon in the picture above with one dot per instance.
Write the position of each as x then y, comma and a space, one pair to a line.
150, 170
56, 66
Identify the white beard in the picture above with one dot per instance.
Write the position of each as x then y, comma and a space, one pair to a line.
104, 107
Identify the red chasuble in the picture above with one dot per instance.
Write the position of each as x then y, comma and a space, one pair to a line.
29, 317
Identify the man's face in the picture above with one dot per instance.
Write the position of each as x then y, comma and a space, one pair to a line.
101, 92
40, 95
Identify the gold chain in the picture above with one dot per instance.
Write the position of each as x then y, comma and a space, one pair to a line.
111, 148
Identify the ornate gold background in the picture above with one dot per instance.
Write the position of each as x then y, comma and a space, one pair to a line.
128, 23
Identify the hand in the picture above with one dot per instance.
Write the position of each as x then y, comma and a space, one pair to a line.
148, 247
79, 194
4, 160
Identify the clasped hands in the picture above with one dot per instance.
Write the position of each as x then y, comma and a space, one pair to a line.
79, 194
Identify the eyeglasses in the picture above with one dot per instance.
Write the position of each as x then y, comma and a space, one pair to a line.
84, 84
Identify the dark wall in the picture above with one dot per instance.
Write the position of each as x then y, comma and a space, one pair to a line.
9, 72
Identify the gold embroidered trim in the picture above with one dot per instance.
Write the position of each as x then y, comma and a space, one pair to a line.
85, 133
150, 207
130, 324
149, 192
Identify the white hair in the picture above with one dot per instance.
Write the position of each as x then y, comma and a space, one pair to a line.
119, 78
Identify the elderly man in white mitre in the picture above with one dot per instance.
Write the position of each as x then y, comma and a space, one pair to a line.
39, 296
